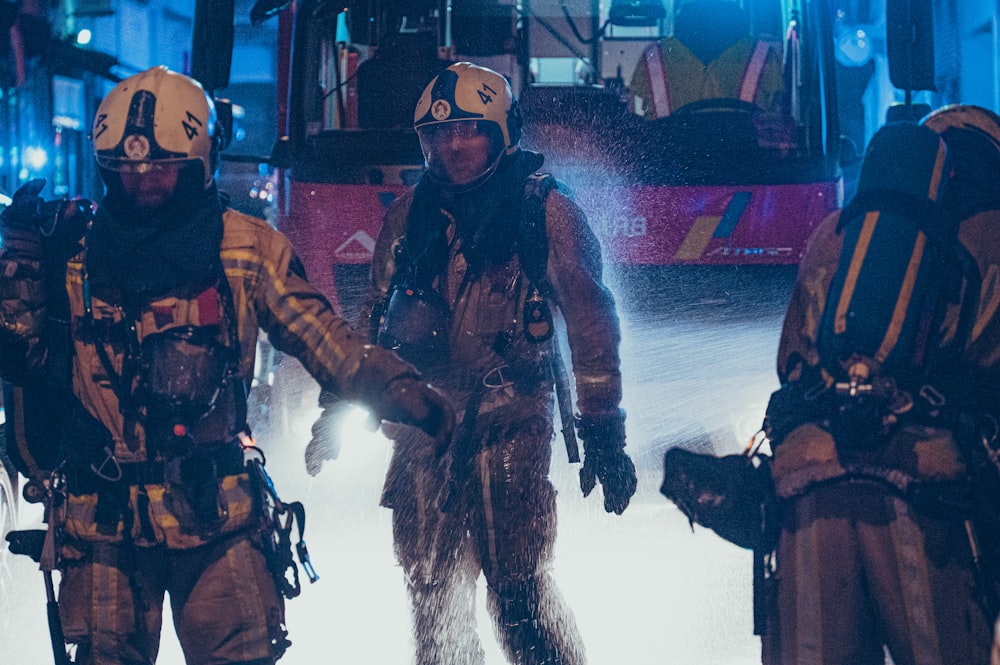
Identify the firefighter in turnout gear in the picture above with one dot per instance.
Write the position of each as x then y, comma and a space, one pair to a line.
470, 269
161, 300
711, 55
888, 479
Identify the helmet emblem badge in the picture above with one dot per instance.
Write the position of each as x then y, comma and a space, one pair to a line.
441, 110
136, 146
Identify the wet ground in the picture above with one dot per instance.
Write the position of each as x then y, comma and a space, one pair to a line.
698, 356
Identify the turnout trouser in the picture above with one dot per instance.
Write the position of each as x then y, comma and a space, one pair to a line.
859, 568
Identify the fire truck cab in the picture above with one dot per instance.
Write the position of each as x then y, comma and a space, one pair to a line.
671, 167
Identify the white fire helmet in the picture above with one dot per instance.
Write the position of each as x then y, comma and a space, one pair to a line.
972, 134
156, 119
467, 99
967, 117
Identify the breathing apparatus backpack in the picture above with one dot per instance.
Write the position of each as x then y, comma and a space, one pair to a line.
882, 353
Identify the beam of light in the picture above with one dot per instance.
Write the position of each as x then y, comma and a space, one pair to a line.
35, 158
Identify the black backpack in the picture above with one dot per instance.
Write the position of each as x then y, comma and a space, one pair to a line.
900, 267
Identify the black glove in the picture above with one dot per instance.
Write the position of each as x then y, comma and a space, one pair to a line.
20, 222
29, 217
605, 459
410, 401
324, 444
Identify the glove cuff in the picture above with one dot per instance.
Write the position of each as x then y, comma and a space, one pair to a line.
376, 369
603, 429
22, 245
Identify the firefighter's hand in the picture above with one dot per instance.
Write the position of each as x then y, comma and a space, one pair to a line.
414, 402
605, 459
325, 444
20, 222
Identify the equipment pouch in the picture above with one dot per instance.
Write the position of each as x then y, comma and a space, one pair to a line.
193, 492
733, 496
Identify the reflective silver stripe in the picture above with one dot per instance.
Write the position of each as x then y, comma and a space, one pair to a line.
108, 582
809, 602
658, 85
423, 480
488, 514
915, 585
751, 76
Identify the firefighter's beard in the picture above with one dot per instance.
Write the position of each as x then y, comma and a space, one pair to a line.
149, 199
458, 163
153, 199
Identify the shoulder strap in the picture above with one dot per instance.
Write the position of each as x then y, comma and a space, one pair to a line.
533, 240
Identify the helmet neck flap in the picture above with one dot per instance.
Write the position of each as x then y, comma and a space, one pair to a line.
152, 254
486, 219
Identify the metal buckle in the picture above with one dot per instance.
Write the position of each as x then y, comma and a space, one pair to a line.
932, 396
494, 379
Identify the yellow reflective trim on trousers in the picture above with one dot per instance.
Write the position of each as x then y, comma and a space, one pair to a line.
81, 508
903, 302
80, 520
697, 238
239, 507
851, 281
277, 283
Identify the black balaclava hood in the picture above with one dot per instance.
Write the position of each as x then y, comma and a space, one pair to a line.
486, 218
147, 254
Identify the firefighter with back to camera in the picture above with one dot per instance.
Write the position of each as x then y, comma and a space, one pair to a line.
469, 267
888, 536
164, 295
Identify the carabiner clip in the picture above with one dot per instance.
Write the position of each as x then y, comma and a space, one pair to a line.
99, 469
303, 552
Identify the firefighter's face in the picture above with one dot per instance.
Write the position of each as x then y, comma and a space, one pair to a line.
149, 185
459, 153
